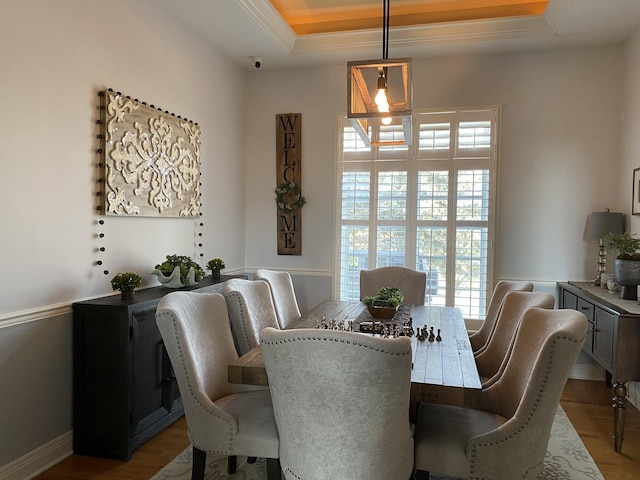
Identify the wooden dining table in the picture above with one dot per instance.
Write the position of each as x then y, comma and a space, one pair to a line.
443, 371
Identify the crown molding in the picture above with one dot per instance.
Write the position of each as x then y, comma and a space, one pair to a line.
270, 21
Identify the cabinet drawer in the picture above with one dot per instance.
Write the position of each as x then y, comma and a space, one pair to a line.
587, 308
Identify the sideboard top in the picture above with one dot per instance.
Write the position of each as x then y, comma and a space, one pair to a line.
153, 294
609, 300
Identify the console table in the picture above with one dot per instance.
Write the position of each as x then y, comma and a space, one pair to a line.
124, 390
613, 340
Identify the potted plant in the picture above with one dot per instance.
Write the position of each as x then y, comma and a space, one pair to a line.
215, 265
627, 263
126, 282
385, 303
178, 271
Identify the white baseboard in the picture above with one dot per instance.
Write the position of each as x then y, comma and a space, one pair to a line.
40, 459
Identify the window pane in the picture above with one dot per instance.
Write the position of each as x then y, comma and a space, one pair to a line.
354, 248
474, 134
392, 195
391, 243
472, 200
351, 141
431, 245
433, 195
435, 136
471, 271
355, 195
392, 133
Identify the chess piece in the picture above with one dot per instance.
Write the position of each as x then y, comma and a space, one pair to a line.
438, 338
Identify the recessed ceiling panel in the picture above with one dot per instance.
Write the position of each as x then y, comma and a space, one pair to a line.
307, 17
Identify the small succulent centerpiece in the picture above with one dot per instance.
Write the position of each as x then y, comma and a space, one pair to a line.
215, 265
178, 271
385, 303
126, 282
627, 263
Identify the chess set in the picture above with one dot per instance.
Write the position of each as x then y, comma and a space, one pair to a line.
385, 329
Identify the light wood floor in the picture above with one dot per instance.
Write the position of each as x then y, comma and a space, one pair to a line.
588, 405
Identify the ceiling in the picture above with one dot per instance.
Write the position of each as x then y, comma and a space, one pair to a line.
300, 33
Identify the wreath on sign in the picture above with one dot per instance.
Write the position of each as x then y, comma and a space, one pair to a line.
289, 197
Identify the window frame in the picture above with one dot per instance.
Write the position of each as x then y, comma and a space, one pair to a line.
376, 159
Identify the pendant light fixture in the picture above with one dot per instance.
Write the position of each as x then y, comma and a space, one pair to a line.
379, 92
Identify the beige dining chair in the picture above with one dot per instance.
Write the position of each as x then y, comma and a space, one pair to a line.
221, 417
282, 293
341, 403
412, 283
250, 309
492, 360
506, 437
480, 338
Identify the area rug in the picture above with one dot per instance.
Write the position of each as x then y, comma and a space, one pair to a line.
567, 459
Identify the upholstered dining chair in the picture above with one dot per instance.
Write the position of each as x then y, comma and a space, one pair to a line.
221, 417
341, 403
282, 293
507, 436
412, 283
492, 360
479, 339
250, 309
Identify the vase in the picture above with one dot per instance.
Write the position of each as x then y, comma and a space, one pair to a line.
215, 273
627, 274
126, 294
173, 280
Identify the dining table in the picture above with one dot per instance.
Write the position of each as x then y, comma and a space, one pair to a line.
443, 366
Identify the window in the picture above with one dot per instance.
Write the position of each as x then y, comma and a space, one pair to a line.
428, 206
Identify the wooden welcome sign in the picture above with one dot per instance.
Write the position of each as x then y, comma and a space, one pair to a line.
289, 199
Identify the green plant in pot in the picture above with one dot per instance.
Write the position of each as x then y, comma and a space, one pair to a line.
385, 303
178, 271
627, 263
215, 265
126, 282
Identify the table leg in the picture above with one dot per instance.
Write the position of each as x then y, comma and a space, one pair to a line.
619, 404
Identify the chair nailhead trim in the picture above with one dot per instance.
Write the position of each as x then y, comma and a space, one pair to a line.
306, 338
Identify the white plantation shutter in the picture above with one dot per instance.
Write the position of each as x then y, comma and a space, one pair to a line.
428, 206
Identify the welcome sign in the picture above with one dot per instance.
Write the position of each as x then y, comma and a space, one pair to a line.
289, 199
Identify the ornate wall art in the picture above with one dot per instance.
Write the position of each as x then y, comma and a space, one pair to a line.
289, 199
150, 160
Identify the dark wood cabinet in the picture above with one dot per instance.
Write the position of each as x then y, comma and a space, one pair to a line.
124, 388
613, 339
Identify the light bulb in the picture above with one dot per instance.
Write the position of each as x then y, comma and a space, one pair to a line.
381, 97
386, 121
381, 101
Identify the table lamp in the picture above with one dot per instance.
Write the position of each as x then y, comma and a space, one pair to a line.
599, 224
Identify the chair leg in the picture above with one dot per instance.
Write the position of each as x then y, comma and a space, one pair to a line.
422, 475
198, 465
232, 463
273, 469
251, 460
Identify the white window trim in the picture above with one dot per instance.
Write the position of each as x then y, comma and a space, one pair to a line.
494, 192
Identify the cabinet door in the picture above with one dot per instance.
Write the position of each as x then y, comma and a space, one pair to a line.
569, 300
149, 402
603, 338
